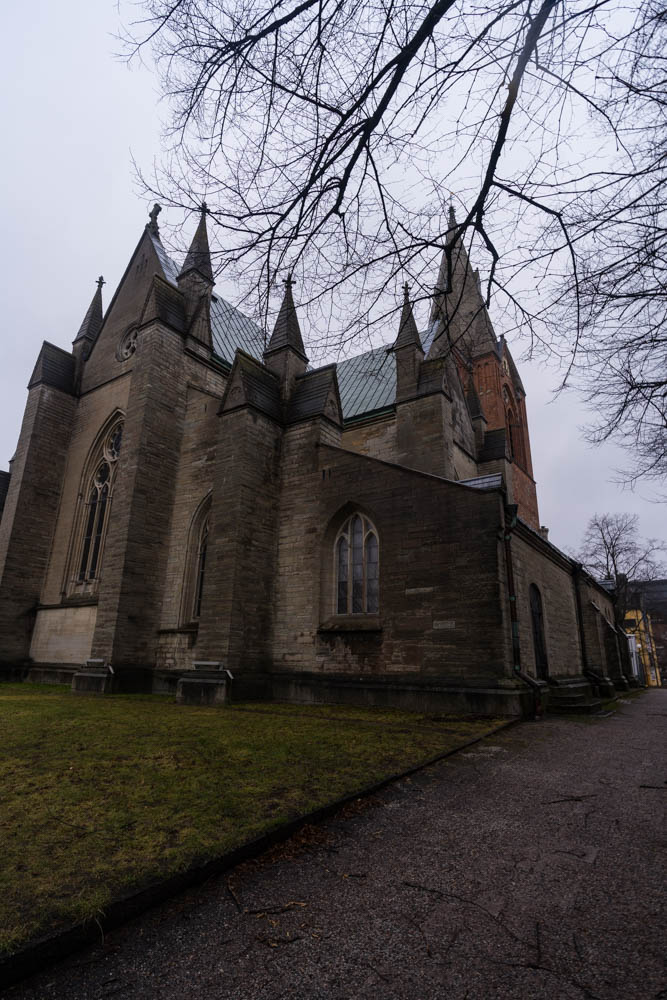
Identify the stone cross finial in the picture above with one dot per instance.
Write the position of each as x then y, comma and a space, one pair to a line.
152, 215
289, 281
100, 282
204, 208
406, 291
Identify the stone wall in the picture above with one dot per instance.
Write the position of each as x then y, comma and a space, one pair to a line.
537, 562
236, 618
93, 410
29, 517
441, 589
137, 545
63, 635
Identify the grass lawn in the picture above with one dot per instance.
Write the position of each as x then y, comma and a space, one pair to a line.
104, 795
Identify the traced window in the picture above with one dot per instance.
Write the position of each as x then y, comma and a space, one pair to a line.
357, 567
94, 507
195, 567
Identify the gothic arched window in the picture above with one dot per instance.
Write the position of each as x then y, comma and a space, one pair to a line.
357, 567
201, 567
92, 517
195, 566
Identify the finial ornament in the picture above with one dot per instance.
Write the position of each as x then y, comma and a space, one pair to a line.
152, 215
100, 282
203, 208
406, 291
289, 281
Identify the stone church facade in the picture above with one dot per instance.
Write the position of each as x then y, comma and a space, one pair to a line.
183, 496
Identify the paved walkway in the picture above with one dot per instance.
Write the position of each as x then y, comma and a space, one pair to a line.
530, 866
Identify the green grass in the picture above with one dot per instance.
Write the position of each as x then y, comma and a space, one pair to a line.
104, 795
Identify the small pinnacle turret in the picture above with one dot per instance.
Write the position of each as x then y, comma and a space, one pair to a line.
152, 226
92, 321
199, 255
452, 216
408, 335
287, 332
473, 400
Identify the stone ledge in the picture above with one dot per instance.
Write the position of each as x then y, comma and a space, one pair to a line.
351, 623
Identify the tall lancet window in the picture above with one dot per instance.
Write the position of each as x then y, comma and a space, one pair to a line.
92, 518
357, 567
195, 564
201, 567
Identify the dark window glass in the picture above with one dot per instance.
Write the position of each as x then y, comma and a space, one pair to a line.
357, 562
88, 536
357, 566
372, 574
201, 566
99, 529
342, 556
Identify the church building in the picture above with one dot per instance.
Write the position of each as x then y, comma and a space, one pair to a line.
190, 497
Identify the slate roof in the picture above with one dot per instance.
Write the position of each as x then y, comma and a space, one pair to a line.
92, 321
311, 392
54, 367
168, 266
166, 304
492, 482
231, 329
367, 383
261, 386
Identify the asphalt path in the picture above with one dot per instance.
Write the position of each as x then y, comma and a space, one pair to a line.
529, 866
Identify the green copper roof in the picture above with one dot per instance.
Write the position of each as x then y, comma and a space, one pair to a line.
367, 382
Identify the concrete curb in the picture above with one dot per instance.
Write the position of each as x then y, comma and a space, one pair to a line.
46, 951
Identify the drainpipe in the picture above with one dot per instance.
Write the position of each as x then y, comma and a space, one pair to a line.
510, 524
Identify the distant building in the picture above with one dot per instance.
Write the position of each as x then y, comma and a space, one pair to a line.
187, 492
648, 619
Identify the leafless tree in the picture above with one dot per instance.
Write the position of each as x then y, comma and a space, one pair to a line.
612, 550
328, 136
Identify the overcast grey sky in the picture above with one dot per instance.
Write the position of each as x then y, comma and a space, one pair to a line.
72, 117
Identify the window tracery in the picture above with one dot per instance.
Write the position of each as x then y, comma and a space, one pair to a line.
357, 567
128, 344
92, 517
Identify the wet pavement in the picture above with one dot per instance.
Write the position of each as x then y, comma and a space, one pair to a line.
529, 866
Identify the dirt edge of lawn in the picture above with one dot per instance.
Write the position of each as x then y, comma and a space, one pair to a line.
45, 951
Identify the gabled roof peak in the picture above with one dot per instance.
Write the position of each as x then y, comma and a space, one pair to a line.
92, 321
287, 332
199, 255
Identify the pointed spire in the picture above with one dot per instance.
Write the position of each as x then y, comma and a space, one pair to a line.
452, 216
408, 335
286, 332
199, 255
92, 321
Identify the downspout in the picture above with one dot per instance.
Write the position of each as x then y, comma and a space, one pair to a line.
510, 524
586, 670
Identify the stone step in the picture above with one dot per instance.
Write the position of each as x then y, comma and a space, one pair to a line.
584, 706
